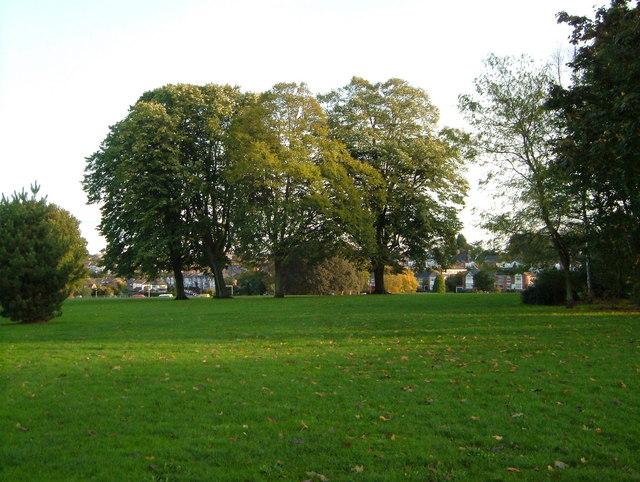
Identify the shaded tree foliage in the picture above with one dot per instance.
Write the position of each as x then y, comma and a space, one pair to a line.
483, 281
41, 258
601, 151
331, 276
253, 282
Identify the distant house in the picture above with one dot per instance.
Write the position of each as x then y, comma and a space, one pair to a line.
427, 280
468, 281
514, 282
142, 285
195, 280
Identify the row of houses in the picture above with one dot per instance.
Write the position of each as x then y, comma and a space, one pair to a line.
503, 282
196, 281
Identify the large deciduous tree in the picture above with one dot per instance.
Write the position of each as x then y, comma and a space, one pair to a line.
392, 127
515, 133
203, 117
41, 258
299, 187
160, 175
601, 151
138, 177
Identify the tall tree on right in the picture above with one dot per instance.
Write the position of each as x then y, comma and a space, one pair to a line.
601, 151
515, 134
392, 126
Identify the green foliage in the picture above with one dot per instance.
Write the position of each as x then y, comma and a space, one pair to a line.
516, 132
439, 286
392, 127
483, 281
41, 258
252, 283
532, 248
601, 151
549, 289
138, 178
331, 276
159, 174
299, 187
454, 281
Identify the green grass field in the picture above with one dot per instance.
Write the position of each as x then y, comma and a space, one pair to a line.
417, 387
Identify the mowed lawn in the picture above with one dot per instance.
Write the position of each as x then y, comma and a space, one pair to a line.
417, 387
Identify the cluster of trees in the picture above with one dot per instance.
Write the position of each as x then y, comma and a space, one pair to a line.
41, 257
567, 157
195, 173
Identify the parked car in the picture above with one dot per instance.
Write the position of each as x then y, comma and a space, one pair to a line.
138, 295
165, 295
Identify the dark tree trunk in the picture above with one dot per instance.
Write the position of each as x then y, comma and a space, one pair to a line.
563, 253
278, 263
179, 277
378, 276
215, 260
565, 261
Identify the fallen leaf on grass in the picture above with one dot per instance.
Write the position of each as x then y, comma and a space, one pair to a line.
317, 476
513, 469
384, 419
473, 417
303, 426
497, 437
20, 427
298, 441
117, 367
560, 465
407, 389
357, 469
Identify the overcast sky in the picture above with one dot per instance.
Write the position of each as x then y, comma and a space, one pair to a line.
71, 68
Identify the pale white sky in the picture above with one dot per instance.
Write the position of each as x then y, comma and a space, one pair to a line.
71, 68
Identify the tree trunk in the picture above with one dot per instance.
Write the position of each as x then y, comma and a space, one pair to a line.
565, 261
215, 260
179, 277
587, 250
564, 255
568, 285
278, 278
378, 276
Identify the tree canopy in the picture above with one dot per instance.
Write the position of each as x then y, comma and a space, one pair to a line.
298, 186
516, 133
601, 151
392, 127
